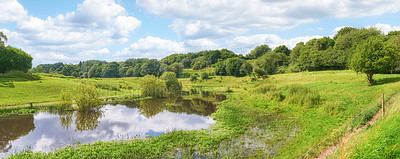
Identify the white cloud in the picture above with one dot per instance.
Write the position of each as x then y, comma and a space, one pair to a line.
94, 25
223, 18
11, 11
386, 28
244, 44
152, 47
201, 44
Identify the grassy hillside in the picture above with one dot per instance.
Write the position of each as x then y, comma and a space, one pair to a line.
380, 140
48, 88
286, 115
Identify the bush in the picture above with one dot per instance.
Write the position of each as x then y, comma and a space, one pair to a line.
66, 99
86, 97
193, 77
174, 88
204, 76
153, 87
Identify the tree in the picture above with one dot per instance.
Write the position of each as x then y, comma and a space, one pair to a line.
258, 51
177, 68
374, 56
93, 71
282, 49
174, 87
150, 67
3, 39
110, 70
232, 66
68, 70
14, 59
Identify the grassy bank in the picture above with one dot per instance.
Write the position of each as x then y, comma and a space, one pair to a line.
49, 87
285, 116
380, 140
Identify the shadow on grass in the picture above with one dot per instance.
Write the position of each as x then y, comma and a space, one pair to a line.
387, 80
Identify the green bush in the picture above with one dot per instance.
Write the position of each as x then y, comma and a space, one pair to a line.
66, 100
204, 76
86, 97
153, 87
193, 77
174, 87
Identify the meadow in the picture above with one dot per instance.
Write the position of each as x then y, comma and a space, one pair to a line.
289, 115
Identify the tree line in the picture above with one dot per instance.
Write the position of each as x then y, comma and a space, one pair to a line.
343, 51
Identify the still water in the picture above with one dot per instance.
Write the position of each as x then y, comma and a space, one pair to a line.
47, 131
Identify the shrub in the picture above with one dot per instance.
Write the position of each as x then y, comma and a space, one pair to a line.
174, 88
193, 77
153, 87
87, 97
66, 99
204, 76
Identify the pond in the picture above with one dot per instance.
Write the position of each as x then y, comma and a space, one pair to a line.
47, 131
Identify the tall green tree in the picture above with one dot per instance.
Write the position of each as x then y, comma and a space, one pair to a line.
374, 56
258, 51
174, 87
110, 70
150, 67
14, 59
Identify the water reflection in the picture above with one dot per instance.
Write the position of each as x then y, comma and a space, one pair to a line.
46, 131
12, 128
151, 107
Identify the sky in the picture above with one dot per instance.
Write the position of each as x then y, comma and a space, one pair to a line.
70, 31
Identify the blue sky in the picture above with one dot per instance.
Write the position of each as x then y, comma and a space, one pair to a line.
70, 31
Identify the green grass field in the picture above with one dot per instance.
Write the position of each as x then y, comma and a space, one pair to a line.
291, 115
49, 87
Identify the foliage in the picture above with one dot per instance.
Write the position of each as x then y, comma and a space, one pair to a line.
3, 39
86, 97
150, 67
153, 87
204, 76
374, 56
14, 59
270, 62
174, 88
66, 99
258, 51
193, 77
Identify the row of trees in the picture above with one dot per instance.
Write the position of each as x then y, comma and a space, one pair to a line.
343, 51
12, 58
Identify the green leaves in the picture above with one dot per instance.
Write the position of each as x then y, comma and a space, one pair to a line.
374, 56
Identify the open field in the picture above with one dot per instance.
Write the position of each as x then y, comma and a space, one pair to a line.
286, 115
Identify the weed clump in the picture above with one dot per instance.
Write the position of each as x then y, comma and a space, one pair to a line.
271, 92
302, 96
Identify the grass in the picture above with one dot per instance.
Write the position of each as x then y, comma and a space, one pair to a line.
380, 140
264, 118
49, 87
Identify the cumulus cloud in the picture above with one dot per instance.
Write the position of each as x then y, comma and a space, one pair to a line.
201, 44
152, 47
11, 11
244, 44
94, 25
208, 18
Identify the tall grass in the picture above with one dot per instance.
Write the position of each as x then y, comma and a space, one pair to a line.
303, 96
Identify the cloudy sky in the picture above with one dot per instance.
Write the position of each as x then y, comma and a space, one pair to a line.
70, 31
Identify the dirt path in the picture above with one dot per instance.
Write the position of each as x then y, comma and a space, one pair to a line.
346, 138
